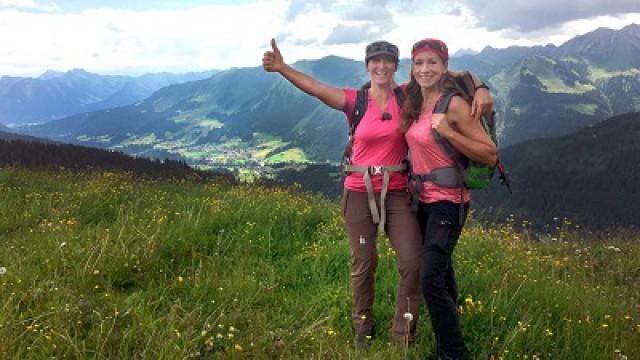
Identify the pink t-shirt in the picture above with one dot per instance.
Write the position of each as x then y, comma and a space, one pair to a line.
376, 143
427, 155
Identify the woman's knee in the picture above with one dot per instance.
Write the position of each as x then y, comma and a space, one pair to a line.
432, 278
410, 267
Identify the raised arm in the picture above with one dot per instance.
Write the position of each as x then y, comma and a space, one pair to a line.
272, 61
470, 139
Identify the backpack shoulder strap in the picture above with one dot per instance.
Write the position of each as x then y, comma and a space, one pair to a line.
441, 108
443, 104
458, 159
360, 107
400, 98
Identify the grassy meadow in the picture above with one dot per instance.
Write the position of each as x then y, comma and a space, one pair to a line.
102, 265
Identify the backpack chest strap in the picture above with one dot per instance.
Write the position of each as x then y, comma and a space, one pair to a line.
378, 217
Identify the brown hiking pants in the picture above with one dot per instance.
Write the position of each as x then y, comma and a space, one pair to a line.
403, 231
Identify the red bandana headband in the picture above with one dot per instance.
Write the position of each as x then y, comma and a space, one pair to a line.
435, 45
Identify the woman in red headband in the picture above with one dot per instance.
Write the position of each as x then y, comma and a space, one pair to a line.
443, 199
375, 196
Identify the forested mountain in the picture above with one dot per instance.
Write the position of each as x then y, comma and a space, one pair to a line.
589, 177
55, 95
22, 152
10, 136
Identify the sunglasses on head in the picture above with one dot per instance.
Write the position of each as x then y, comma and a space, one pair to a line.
375, 47
431, 44
436, 45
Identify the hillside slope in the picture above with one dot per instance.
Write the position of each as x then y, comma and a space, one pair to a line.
590, 177
18, 151
108, 265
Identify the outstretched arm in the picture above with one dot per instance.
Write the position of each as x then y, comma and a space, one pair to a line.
272, 61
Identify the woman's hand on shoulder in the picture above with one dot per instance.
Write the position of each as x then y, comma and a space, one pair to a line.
440, 123
482, 103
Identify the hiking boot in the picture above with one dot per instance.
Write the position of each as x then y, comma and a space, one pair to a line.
441, 357
363, 340
401, 341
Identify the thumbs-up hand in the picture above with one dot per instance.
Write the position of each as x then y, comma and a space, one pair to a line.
272, 60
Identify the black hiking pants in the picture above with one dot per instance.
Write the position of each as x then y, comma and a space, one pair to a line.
440, 222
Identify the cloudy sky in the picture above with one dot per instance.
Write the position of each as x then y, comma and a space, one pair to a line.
138, 36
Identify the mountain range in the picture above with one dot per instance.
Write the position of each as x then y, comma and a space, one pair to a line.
545, 91
614, 50
55, 95
243, 118
234, 116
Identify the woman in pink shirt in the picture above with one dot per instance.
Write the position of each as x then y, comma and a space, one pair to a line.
439, 210
375, 194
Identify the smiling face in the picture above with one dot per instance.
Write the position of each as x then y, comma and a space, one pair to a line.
381, 68
427, 68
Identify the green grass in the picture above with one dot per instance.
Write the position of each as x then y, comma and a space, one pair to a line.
598, 73
586, 109
147, 139
103, 139
103, 265
295, 155
556, 85
570, 59
499, 81
263, 149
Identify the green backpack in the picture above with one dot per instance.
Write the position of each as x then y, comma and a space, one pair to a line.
475, 175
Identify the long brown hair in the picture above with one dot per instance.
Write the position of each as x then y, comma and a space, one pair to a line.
413, 98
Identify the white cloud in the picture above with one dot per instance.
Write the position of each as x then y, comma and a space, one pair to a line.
222, 36
350, 34
527, 16
105, 40
28, 5
460, 30
298, 7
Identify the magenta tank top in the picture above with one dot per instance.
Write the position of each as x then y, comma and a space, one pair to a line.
427, 155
